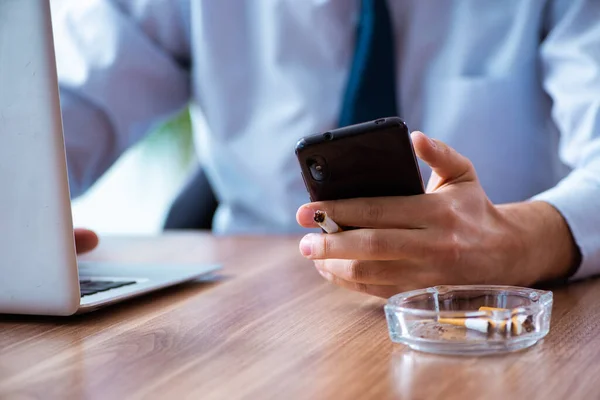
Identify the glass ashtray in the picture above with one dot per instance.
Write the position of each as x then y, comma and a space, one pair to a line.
470, 320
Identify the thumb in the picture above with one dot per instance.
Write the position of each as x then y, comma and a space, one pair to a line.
447, 164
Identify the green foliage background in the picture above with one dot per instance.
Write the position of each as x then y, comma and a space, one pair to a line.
175, 135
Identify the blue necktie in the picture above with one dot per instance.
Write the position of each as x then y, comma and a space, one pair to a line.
371, 86
370, 94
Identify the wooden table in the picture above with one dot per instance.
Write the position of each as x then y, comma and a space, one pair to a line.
272, 328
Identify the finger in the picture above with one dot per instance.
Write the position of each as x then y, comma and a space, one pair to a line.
447, 163
409, 212
366, 244
373, 290
380, 273
85, 240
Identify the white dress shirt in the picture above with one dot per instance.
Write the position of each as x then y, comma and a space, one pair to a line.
514, 85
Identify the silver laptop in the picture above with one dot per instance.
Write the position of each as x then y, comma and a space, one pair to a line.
39, 271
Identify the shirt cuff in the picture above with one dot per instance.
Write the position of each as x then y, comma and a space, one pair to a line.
577, 198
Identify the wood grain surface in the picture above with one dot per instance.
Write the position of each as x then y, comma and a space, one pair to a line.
271, 328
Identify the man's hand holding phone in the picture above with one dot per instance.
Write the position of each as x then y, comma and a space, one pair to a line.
453, 234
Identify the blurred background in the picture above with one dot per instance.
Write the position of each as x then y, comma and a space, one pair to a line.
135, 194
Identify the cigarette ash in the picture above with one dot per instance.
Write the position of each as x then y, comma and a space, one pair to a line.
433, 330
319, 217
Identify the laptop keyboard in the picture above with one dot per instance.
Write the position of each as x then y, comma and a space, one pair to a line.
89, 287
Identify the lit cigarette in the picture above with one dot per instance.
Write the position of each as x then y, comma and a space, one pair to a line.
326, 223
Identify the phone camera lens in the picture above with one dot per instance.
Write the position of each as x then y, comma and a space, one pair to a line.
328, 136
318, 168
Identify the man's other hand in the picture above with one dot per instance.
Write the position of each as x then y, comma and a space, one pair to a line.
85, 240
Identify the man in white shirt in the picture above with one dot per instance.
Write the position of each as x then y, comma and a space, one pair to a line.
513, 86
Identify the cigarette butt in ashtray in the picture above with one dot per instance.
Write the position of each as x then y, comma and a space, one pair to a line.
476, 324
519, 322
326, 223
484, 325
516, 324
484, 308
500, 326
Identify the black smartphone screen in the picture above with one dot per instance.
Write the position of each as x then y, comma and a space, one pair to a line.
373, 159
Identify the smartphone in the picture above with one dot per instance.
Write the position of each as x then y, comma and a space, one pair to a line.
371, 159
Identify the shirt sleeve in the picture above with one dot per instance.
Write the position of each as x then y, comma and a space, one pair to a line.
122, 69
570, 60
